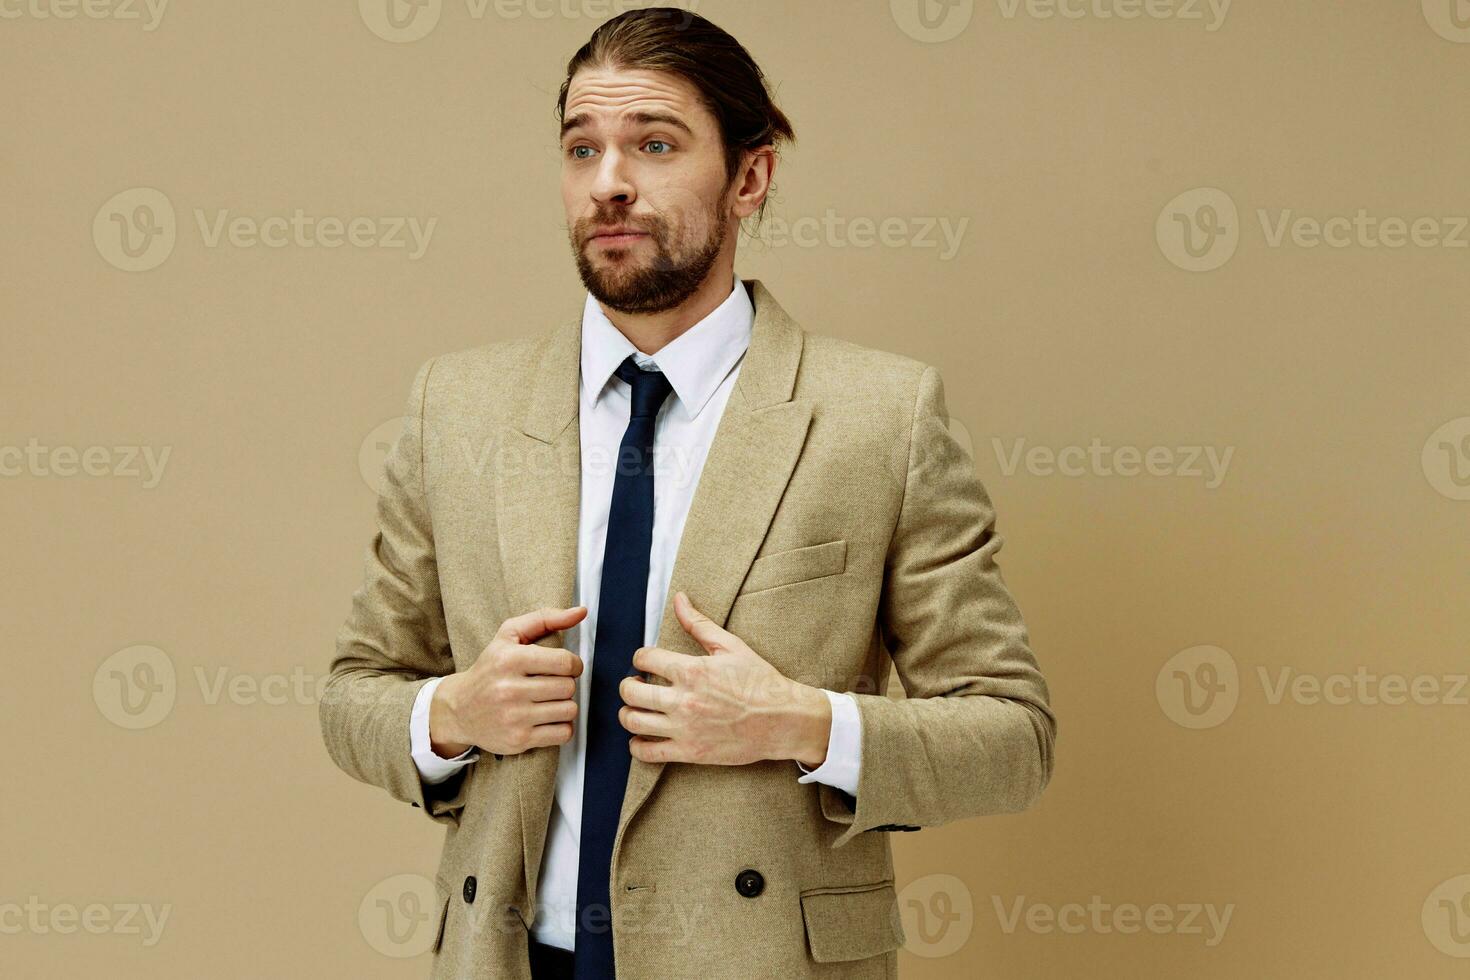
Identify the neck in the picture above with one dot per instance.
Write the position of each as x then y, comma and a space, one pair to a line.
650, 332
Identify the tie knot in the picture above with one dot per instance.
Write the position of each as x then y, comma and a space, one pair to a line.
650, 388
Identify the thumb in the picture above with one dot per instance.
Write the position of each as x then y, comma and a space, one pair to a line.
698, 625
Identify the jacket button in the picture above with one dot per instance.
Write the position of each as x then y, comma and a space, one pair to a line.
469, 889
749, 883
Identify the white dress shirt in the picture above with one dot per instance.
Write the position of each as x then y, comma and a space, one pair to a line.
701, 364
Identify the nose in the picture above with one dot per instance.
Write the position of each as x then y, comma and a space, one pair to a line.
611, 185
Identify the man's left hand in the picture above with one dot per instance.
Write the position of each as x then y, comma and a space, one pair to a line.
730, 708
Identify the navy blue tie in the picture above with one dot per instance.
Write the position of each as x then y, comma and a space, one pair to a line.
620, 622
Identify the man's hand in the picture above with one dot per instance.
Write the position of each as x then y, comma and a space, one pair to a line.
516, 696
730, 708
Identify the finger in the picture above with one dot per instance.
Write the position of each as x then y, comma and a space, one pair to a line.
665, 663
646, 722
646, 749
533, 660
701, 627
532, 626
549, 712
638, 693
557, 734
536, 687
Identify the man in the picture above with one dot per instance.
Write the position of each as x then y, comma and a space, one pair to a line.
693, 771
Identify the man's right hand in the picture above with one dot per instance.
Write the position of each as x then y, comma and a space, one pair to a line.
516, 696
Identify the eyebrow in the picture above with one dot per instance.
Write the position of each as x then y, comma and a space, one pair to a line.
581, 121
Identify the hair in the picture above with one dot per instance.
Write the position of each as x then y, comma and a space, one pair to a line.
729, 82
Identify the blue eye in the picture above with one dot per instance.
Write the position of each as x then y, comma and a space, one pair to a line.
573, 152
659, 142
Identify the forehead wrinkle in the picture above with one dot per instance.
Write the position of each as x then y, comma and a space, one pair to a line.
655, 92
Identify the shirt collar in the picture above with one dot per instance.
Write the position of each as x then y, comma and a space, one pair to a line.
695, 362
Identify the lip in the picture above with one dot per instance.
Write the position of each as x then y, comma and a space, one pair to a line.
620, 239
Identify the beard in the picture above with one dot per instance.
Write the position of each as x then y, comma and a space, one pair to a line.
622, 281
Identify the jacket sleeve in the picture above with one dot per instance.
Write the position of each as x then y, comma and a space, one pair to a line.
975, 734
394, 639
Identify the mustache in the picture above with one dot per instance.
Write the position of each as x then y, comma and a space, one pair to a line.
588, 228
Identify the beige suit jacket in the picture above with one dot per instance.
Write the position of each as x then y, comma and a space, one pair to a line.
837, 525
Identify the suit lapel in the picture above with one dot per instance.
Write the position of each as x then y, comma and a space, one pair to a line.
755, 448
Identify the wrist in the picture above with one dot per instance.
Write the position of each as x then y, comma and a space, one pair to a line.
442, 730
809, 727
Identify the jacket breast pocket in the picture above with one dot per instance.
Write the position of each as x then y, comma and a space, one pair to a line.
852, 922
796, 565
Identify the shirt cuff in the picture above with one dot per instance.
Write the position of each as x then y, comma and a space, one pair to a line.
844, 747
433, 768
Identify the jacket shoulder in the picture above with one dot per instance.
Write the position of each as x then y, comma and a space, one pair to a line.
482, 376
833, 365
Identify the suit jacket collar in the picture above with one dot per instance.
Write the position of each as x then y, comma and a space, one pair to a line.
767, 376
695, 362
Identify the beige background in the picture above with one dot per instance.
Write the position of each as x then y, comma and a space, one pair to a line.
1335, 377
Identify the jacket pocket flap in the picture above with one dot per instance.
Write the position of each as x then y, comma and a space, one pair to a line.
796, 565
851, 922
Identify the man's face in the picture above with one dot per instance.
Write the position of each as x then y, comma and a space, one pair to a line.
640, 152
